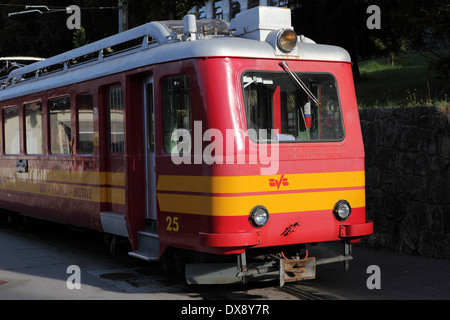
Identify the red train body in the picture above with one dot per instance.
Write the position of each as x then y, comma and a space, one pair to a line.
87, 140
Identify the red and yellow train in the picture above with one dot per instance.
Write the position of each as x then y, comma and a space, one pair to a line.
193, 140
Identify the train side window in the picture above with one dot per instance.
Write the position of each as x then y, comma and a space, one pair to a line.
60, 126
115, 120
85, 123
33, 128
11, 130
176, 109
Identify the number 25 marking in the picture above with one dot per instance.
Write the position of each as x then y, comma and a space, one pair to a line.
172, 223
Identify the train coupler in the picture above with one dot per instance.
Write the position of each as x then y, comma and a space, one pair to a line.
287, 270
292, 270
277, 267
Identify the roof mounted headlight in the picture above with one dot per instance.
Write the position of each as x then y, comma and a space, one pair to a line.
342, 210
286, 40
259, 216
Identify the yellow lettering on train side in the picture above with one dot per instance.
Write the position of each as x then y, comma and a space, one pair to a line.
172, 224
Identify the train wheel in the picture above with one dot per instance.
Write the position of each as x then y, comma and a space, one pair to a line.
167, 261
119, 247
173, 263
21, 222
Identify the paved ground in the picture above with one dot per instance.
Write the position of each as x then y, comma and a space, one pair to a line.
402, 277
33, 265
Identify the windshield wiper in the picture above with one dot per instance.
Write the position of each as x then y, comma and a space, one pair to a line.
299, 82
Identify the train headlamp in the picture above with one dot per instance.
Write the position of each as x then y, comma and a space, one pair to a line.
342, 210
259, 216
286, 40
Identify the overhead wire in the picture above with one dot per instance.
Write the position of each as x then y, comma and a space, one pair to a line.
55, 7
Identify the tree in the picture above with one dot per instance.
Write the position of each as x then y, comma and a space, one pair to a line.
405, 25
419, 25
46, 34
436, 35
337, 22
79, 38
416, 24
158, 10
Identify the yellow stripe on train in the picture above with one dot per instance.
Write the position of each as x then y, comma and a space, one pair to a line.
242, 205
245, 184
89, 186
79, 177
235, 196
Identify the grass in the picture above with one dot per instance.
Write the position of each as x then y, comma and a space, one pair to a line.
410, 82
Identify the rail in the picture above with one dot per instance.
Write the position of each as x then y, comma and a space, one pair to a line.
139, 38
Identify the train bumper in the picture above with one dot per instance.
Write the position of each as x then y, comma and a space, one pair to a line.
229, 239
346, 232
355, 230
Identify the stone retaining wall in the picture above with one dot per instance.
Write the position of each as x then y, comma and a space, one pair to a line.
408, 179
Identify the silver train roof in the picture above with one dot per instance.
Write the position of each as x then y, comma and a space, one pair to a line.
249, 35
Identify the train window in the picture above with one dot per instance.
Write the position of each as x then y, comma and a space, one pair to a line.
151, 120
11, 131
273, 100
278, 3
85, 123
60, 126
252, 4
235, 8
33, 128
115, 120
202, 13
218, 10
176, 109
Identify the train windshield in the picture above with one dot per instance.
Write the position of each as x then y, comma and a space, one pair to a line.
277, 108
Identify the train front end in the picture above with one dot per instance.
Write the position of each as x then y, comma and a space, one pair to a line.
282, 144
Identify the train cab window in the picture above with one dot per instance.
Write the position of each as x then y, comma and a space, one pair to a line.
60, 126
33, 128
115, 120
276, 101
11, 130
176, 109
85, 123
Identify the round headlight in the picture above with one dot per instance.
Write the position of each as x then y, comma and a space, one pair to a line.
342, 210
259, 216
287, 40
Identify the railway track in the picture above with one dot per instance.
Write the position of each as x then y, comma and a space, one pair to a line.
307, 293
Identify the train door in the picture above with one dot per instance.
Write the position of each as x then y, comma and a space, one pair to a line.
149, 117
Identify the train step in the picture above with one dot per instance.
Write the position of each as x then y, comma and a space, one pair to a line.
148, 246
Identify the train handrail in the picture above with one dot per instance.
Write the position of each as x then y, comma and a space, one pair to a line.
150, 35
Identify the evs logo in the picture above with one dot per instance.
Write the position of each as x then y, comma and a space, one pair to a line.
277, 183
